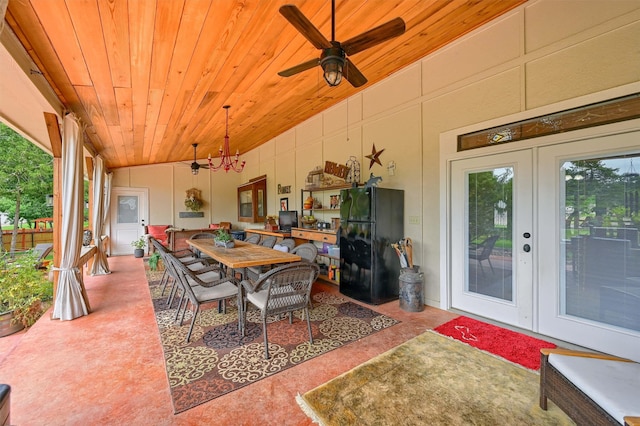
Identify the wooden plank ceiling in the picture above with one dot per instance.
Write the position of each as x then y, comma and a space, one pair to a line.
149, 78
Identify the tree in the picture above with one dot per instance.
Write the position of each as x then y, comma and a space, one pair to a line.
490, 192
26, 177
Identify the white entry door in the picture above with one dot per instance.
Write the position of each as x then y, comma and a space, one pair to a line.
129, 212
492, 237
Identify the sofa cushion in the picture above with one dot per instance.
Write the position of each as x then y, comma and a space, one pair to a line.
613, 385
158, 232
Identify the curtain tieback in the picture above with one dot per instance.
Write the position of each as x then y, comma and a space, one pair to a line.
74, 269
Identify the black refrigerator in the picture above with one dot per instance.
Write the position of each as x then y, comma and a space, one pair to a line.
370, 220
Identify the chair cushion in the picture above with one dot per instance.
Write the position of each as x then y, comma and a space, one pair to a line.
613, 385
258, 298
221, 291
281, 248
196, 266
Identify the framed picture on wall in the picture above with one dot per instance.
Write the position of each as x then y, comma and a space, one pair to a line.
284, 204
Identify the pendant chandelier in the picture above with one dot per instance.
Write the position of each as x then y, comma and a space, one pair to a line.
226, 161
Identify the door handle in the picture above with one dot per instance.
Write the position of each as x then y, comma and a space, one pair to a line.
526, 248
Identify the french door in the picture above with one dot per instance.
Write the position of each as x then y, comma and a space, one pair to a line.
492, 237
589, 234
548, 239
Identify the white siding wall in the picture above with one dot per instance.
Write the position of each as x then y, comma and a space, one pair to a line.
543, 52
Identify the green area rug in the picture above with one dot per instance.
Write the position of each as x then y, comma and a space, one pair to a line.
218, 360
432, 380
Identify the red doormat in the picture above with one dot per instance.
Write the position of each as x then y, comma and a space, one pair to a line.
513, 346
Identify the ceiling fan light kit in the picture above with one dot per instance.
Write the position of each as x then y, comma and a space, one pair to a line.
333, 60
195, 167
332, 64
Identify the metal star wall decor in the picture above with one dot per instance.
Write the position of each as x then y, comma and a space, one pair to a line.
374, 156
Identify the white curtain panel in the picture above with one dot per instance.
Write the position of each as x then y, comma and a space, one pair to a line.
69, 303
3, 11
100, 264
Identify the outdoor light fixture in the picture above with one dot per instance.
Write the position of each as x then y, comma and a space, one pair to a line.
226, 162
332, 63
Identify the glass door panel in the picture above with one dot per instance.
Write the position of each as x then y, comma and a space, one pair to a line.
491, 237
599, 229
490, 204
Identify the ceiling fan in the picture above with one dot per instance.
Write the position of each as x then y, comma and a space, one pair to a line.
195, 166
333, 59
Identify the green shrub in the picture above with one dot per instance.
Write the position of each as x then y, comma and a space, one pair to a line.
23, 288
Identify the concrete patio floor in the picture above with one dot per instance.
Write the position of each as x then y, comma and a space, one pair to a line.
108, 367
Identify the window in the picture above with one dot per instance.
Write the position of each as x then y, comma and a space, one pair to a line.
252, 200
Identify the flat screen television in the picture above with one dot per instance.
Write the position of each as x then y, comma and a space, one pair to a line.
287, 219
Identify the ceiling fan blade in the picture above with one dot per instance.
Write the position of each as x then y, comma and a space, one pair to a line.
304, 26
299, 68
374, 36
353, 74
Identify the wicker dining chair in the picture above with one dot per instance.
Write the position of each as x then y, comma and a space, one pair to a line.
253, 239
281, 290
184, 255
268, 241
189, 259
307, 251
289, 243
198, 292
254, 272
202, 236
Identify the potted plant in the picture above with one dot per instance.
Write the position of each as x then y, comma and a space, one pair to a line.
139, 245
24, 292
224, 239
154, 261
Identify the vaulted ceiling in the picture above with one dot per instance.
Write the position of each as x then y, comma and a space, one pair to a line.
150, 77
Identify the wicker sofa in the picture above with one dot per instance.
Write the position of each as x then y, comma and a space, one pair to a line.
592, 389
5, 405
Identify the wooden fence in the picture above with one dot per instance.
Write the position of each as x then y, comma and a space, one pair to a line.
27, 238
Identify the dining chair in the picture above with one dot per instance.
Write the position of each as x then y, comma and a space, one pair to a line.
198, 292
268, 241
158, 246
281, 290
187, 257
253, 272
253, 239
207, 274
307, 251
202, 236
289, 243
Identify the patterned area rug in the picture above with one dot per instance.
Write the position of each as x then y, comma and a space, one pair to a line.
510, 345
218, 360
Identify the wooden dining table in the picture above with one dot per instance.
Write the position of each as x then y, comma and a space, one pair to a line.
242, 255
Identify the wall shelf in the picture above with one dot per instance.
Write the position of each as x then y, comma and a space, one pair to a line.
325, 199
